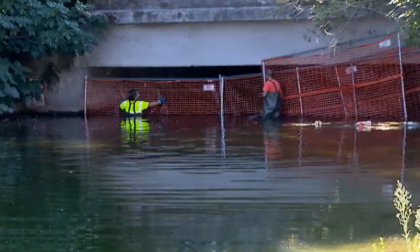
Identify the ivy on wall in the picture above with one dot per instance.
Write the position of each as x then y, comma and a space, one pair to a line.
35, 30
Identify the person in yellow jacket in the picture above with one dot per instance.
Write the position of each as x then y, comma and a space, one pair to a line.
134, 107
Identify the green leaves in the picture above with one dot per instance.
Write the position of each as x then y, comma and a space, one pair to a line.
5, 108
332, 17
407, 13
37, 29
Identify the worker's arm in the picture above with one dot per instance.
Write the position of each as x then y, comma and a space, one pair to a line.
152, 104
264, 94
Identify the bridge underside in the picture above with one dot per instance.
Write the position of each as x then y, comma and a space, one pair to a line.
181, 11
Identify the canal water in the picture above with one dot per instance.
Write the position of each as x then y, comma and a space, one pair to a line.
198, 184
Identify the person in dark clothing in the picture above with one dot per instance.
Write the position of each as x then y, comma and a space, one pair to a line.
273, 98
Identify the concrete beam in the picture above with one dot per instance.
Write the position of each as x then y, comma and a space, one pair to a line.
177, 4
189, 15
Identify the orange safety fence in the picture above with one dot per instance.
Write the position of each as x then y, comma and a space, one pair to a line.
240, 95
184, 97
377, 80
363, 81
411, 71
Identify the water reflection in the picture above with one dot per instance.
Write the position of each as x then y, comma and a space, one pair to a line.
273, 143
135, 130
187, 184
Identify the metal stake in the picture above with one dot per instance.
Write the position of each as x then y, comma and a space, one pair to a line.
263, 70
402, 79
404, 143
300, 93
341, 91
85, 99
222, 93
354, 91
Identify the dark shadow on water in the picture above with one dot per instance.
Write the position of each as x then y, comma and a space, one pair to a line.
197, 184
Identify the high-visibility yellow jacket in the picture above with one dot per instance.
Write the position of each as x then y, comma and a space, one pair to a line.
134, 107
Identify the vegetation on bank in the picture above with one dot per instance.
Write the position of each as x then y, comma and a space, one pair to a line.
409, 220
333, 17
406, 217
47, 32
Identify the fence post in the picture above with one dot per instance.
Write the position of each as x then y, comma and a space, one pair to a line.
223, 136
86, 123
300, 92
404, 143
354, 90
222, 117
263, 70
341, 90
340, 145
402, 78
85, 98
222, 94
355, 154
265, 157
300, 146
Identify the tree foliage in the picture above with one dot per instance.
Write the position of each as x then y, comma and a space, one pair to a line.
35, 30
332, 17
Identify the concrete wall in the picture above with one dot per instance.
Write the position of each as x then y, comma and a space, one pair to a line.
68, 94
213, 44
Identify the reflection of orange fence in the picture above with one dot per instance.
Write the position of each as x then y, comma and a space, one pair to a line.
377, 80
336, 150
329, 148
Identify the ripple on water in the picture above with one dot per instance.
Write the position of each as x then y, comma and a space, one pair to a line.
67, 187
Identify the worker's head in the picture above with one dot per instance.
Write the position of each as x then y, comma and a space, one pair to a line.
268, 74
133, 95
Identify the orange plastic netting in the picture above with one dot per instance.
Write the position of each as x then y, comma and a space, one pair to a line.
411, 71
186, 97
363, 81
241, 95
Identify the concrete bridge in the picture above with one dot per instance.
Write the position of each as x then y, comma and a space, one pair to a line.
185, 33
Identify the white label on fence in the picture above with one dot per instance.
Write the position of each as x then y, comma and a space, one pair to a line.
208, 87
386, 43
350, 70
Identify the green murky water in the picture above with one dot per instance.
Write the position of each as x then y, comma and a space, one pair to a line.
179, 184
